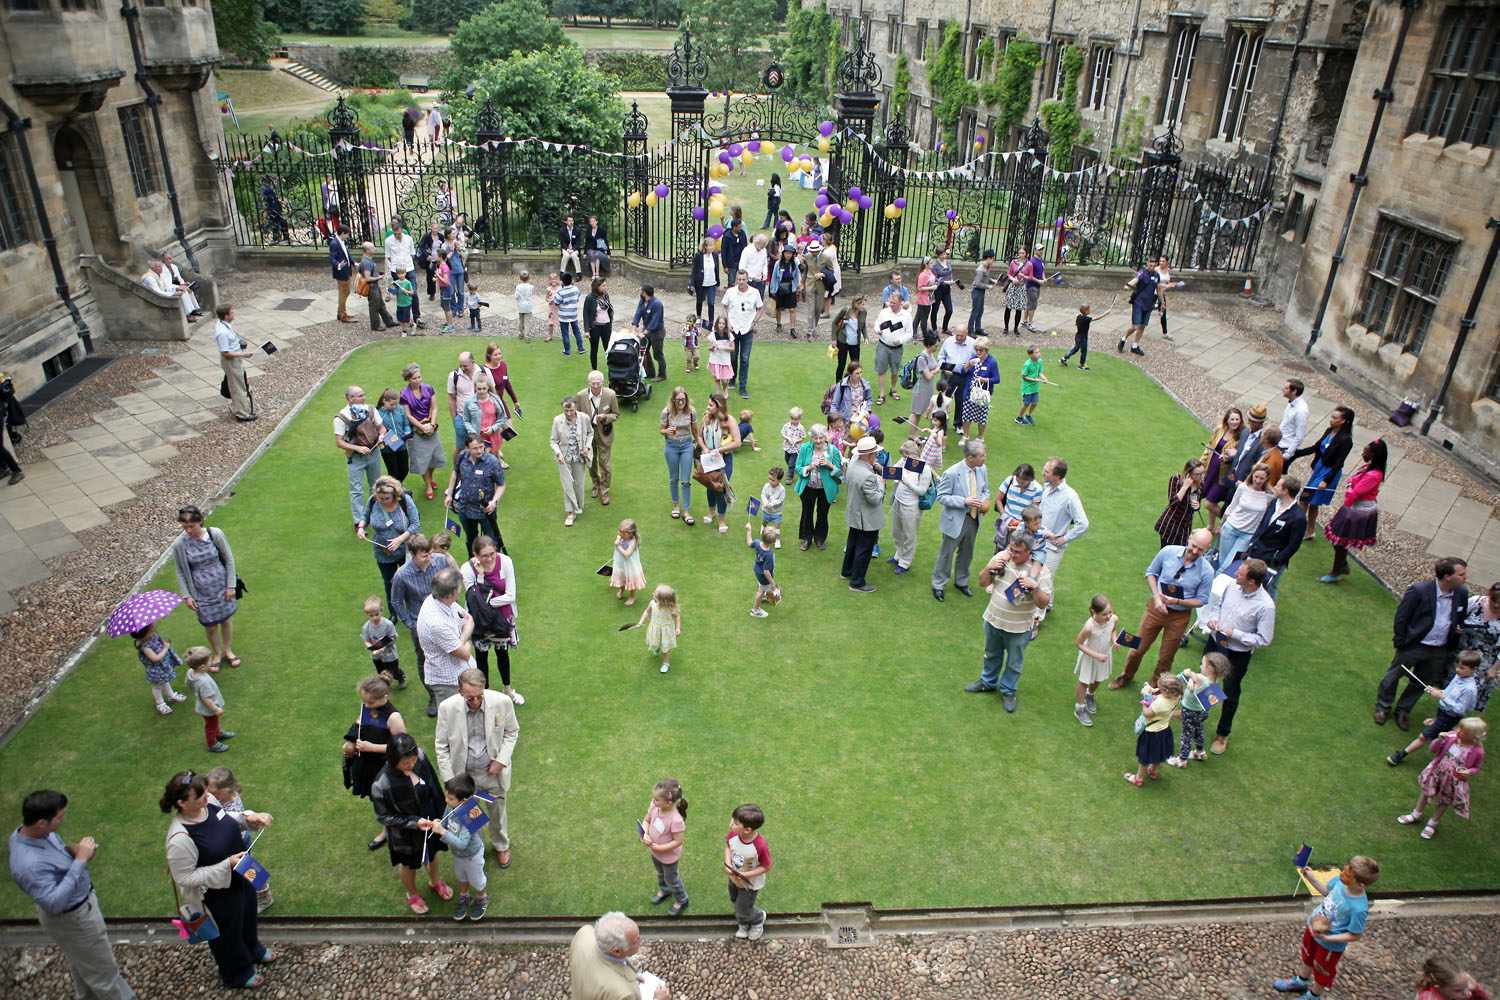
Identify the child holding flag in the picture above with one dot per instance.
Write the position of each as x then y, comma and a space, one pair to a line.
765, 566
662, 831
223, 786
467, 846
1031, 385
1095, 644
773, 498
1153, 743
1345, 906
1214, 667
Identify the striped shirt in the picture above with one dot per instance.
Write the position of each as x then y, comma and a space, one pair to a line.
566, 299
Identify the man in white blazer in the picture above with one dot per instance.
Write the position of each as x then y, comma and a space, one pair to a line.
964, 496
476, 734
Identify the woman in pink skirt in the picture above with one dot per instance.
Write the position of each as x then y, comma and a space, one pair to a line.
1355, 524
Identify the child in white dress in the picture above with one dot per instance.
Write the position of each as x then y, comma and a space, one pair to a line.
1096, 643
666, 624
628, 577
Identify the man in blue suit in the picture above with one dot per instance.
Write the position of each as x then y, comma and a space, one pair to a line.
964, 496
342, 264
1426, 630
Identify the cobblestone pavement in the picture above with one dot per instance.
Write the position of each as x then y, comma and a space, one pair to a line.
1214, 961
108, 464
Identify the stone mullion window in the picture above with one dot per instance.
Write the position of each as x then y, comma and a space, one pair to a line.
1403, 282
15, 225
1462, 102
1180, 72
1244, 65
1101, 71
137, 151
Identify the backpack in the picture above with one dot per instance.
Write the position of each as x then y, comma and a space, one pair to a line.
406, 498
362, 431
827, 405
490, 624
929, 498
909, 374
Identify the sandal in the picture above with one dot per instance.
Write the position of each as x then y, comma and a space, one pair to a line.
676, 511
441, 888
723, 529
267, 956
164, 709
659, 898
1134, 779
1429, 829
417, 904
254, 982
234, 661
604, 500
895, 395
675, 910
879, 400
687, 519
1409, 818
429, 492
1151, 772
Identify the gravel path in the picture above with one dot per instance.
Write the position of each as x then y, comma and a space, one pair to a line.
1170, 962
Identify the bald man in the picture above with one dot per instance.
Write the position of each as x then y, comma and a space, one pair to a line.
1180, 581
598, 403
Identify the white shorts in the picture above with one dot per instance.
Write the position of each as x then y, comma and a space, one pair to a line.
471, 870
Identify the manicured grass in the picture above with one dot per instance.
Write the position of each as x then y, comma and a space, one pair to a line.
589, 38
259, 89
842, 714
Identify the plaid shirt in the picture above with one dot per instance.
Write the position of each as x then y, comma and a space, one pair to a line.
1176, 522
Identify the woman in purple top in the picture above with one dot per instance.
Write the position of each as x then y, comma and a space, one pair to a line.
425, 448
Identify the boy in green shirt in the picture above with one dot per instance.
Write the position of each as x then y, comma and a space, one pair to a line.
1031, 383
402, 289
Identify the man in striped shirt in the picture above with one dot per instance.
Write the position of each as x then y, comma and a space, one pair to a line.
566, 299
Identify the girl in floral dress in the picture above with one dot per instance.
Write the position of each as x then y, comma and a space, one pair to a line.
1456, 757
666, 624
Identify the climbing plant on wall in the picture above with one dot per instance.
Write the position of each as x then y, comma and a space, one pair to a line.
1061, 117
948, 82
1017, 71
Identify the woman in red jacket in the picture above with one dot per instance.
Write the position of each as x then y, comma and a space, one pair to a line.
1354, 526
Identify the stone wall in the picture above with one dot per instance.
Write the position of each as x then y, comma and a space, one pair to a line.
1445, 189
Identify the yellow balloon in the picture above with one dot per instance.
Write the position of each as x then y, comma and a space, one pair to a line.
807, 162
899, 211
794, 166
767, 148
715, 208
891, 211
713, 170
823, 144
634, 200
826, 219
851, 205
651, 199
747, 157
719, 244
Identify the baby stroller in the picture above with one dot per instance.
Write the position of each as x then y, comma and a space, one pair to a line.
626, 360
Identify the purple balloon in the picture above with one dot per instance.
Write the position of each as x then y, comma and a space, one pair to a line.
820, 202
724, 158
736, 150
714, 189
865, 201
714, 232
700, 213
846, 216
1059, 222
787, 154
662, 190
825, 128
900, 203
855, 192
951, 214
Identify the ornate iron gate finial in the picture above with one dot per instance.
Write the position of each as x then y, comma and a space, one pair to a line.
859, 73
342, 119
686, 66
488, 120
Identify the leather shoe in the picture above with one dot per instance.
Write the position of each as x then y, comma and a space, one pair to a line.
502, 858
965, 591
821, 546
1118, 683
375, 845
1381, 715
937, 593
246, 420
805, 544
868, 588
977, 687
432, 706
1402, 722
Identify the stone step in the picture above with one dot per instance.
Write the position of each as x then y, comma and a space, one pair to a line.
307, 75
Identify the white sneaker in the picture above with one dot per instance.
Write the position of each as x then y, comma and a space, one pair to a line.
756, 932
665, 667
759, 613
778, 544
515, 696
1082, 715
741, 933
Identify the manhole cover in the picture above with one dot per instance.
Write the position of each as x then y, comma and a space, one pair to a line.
294, 305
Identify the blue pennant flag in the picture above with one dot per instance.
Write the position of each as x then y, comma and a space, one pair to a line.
1303, 856
752, 506
255, 873
453, 526
471, 814
1211, 696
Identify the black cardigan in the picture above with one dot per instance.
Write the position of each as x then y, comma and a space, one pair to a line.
1334, 456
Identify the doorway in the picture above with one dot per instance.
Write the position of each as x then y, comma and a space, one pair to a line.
93, 219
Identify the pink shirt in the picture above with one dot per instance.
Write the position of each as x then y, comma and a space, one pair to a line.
661, 829
925, 284
1363, 485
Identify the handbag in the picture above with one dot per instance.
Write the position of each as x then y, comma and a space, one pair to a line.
224, 387
239, 585
198, 928
362, 285
929, 498
979, 395
711, 480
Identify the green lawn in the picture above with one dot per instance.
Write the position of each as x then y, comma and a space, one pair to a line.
589, 38
842, 714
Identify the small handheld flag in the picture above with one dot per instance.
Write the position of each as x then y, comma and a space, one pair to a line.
1303, 856
1128, 639
268, 347
891, 472
641, 830
1015, 591
453, 526
899, 419
914, 465
255, 873
627, 628
472, 815
752, 506
484, 797
1170, 589
606, 570
1414, 677
1211, 696
507, 433
391, 439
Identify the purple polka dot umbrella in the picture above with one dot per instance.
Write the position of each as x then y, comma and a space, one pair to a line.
140, 610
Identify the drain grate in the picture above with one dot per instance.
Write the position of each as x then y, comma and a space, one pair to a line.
849, 927
293, 305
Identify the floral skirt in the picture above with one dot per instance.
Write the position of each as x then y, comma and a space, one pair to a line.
1443, 787
1354, 526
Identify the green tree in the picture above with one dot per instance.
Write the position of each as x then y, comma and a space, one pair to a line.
501, 29
552, 93
287, 15
334, 17
901, 86
438, 17
731, 34
608, 10
243, 32
804, 52
1018, 69
949, 83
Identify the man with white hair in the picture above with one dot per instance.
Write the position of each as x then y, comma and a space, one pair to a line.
599, 961
599, 405
172, 279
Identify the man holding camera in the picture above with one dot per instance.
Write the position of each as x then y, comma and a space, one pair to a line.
232, 355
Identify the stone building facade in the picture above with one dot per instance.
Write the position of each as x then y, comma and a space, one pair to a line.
106, 160
1418, 238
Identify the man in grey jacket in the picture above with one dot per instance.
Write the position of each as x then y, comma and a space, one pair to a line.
864, 511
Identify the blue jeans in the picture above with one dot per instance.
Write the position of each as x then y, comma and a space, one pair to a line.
739, 360
362, 469
1008, 648
976, 312
705, 292
718, 503
1231, 540
457, 284
679, 454
577, 335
